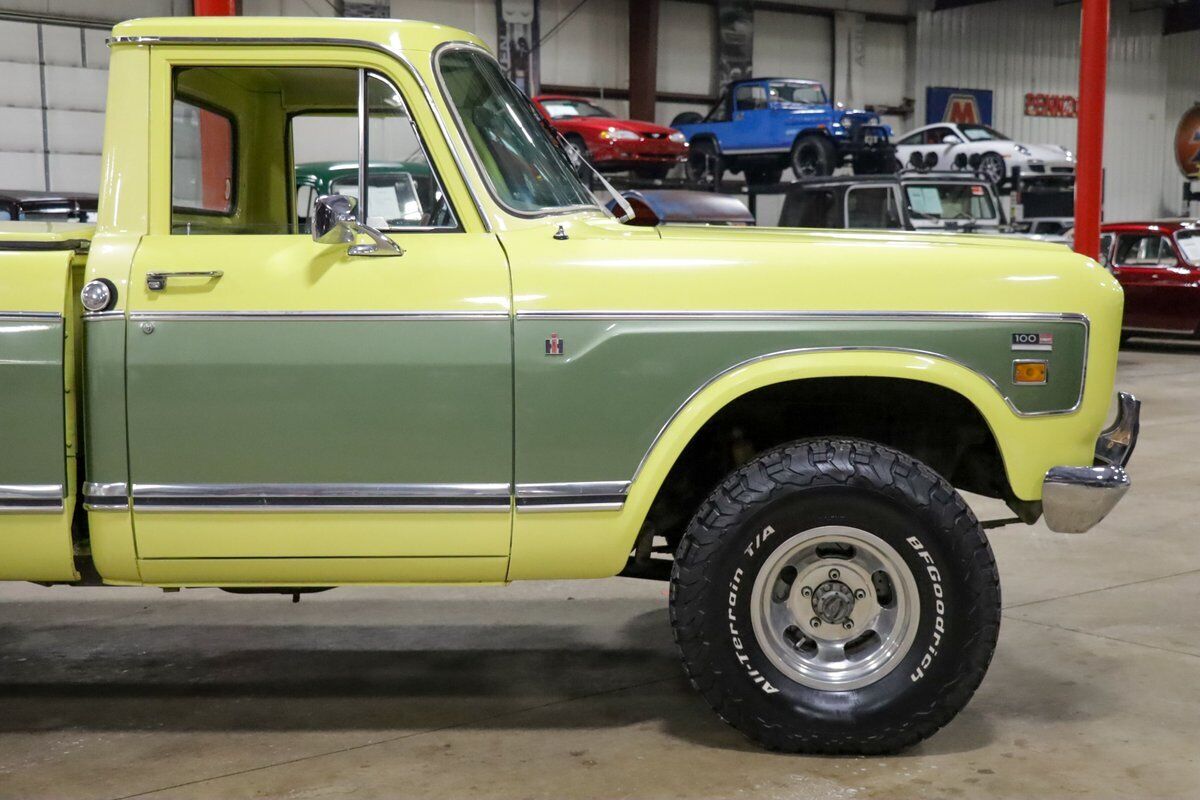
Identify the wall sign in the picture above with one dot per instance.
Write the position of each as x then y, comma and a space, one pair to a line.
1187, 143
1038, 104
948, 104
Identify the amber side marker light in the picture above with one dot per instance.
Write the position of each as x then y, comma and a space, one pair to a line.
1029, 372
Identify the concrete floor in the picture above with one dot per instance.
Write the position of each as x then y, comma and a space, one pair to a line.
573, 689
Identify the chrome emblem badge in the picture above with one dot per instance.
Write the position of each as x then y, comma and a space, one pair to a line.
1033, 341
554, 345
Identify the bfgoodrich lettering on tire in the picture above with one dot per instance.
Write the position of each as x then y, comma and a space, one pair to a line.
835, 596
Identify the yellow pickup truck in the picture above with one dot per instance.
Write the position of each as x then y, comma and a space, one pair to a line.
479, 375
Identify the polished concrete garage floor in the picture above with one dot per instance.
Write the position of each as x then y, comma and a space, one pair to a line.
557, 690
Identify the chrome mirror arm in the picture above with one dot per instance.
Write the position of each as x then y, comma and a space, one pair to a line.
334, 222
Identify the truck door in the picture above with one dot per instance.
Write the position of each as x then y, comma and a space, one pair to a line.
298, 414
752, 114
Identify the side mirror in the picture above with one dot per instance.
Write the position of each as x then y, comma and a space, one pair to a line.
948, 139
333, 222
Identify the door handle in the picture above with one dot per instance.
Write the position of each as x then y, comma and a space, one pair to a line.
157, 281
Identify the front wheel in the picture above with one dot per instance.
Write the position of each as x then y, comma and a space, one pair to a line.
991, 167
704, 167
835, 596
813, 156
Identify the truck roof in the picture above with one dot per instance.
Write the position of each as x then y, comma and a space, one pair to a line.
394, 34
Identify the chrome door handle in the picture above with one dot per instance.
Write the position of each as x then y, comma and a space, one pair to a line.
157, 281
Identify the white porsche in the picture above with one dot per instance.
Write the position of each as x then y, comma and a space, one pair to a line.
980, 149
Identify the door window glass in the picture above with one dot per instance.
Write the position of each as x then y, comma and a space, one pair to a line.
282, 137
202, 159
1189, 243
871, 207
750, 97
1149, 250
1106, 242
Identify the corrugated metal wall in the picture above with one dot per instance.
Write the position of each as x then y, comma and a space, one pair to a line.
1021, 46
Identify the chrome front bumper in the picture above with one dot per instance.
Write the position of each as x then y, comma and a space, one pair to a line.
1076, 498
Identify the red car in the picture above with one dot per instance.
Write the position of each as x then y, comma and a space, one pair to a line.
1158, 264
611, 144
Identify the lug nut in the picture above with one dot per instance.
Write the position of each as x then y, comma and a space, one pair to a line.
834, 574
848, 625
814, 622
806, 592
860, 594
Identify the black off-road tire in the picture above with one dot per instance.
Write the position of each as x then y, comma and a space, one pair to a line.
835, 482
705, 167
813, 156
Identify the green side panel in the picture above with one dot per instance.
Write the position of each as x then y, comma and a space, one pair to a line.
320, 401
32, 425
592, 413
104, 401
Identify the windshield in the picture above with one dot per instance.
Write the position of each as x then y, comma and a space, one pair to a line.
526, 170
982, 133
954, 201
565, 109
797, 92
1189, 243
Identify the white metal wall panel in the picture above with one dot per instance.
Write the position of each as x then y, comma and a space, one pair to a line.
789, 45
72, 119
591, 48
886, 76
1020, 46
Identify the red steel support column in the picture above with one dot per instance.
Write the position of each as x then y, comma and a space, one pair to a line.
215, 8
1089, 165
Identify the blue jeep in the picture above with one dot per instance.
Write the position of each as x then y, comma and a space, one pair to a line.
762, 125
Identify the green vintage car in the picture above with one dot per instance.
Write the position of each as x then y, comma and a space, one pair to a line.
507, 383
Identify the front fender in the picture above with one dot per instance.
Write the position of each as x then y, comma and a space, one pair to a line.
598, 543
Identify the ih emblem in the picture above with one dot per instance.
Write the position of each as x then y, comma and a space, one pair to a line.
1033, 341
554, 345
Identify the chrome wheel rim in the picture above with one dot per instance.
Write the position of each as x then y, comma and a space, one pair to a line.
992, 168
835, 608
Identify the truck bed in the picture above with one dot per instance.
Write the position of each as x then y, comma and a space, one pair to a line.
41, 266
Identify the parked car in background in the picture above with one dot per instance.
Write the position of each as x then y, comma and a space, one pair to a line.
400, 192
47, 206
908, 201
658, 206
979, 148
1158, 265
612, 144
762, 126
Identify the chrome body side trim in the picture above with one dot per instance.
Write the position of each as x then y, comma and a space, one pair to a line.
33, 498
834, 316
93, 489
577, 496
28, 316
323, 497
319, 316
89, 316
328, 42
487, 180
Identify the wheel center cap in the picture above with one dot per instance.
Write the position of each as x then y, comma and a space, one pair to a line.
833, 602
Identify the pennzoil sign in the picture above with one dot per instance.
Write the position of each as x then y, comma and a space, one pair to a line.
1187, 143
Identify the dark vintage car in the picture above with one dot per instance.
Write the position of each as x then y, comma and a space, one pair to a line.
914, 201
658, 206
47, 206
1158, 265
400, 192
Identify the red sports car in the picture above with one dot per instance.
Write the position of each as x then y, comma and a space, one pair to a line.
1158, 264
611, 144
